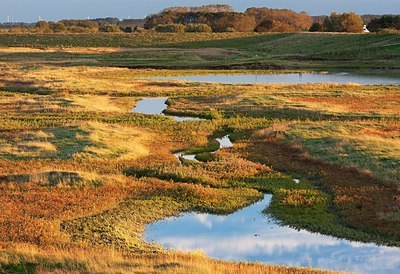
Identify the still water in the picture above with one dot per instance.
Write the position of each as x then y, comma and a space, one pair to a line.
249, 235
224, 142
294, 78
157, 105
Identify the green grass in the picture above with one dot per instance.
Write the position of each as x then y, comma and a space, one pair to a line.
245, 50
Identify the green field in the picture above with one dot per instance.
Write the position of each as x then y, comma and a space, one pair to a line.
224, 51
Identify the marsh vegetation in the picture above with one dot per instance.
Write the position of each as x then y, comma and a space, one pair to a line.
81, 175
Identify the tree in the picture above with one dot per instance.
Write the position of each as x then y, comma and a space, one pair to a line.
284, 19
270, 25
333, 23
316, 27
352, 22
345, 22
385, 22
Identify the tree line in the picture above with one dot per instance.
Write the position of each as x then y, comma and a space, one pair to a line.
220, 18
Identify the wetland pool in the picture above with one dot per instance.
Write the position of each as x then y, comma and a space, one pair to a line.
294, 78
156, 106
249, 235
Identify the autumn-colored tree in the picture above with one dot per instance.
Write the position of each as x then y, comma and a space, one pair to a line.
282, 19
345, 22
352, 22
270, 25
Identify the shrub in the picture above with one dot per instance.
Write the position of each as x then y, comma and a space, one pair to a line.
58, 27
110, 28
198, 28
316, 27
385, 23
179, 28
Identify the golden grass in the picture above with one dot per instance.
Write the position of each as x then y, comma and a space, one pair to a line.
110, 141
97, 154
106, 261
97, 141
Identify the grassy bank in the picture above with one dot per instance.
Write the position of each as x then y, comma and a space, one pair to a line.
218, 50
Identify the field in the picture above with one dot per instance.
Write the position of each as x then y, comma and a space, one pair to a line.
81, 175
207, 50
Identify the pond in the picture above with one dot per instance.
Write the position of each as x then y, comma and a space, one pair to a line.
157, 105
249, 235
295, 78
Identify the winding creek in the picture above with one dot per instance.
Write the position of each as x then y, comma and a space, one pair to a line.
250, 235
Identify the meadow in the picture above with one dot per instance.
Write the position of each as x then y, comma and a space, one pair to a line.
81, 175
315, 51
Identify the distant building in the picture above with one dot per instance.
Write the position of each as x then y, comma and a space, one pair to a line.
365, 30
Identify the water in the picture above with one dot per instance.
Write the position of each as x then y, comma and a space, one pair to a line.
156, 106
294, 78
224, 142
190, 157
248, 235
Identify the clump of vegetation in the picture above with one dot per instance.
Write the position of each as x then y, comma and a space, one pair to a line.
385, 24
345, 22
170, 28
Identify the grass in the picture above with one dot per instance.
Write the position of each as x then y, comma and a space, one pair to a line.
81, 176
202, 50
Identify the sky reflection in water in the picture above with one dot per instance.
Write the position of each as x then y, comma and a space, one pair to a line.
247, 235
157, 105
294, 78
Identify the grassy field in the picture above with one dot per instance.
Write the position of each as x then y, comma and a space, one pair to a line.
217, 50
81, 176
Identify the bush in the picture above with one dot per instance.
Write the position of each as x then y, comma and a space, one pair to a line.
390, 31
386, 22
58, 27
198, 28
110, 28
230, 29
179, 28
316, 27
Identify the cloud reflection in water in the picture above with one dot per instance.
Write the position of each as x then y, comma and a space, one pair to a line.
247, 235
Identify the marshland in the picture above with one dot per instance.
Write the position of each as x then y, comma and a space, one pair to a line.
105, 138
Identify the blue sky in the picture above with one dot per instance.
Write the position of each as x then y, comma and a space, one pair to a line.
30, 10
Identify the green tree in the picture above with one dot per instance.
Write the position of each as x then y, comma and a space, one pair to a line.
315, 27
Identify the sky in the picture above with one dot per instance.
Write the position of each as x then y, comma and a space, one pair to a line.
30, 10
